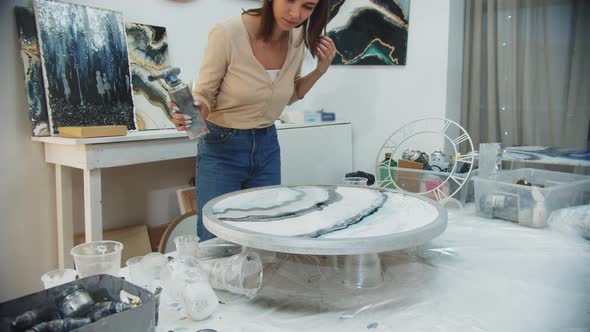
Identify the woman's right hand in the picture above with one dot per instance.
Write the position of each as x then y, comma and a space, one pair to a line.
181, 121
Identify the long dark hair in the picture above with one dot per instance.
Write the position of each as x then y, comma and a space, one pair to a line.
312, 27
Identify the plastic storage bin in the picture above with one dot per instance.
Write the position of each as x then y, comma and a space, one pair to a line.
500, 196
566, 160
416, 181
139, 319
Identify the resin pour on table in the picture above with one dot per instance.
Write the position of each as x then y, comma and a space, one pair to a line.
355, 222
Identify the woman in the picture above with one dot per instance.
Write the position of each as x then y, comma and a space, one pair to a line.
250, 72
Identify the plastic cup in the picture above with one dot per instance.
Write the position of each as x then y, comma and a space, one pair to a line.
199, 300
187, 245
150, 269
98, 257
355, 181
239, 274
58, 277
180, 272
134, 265
185, 282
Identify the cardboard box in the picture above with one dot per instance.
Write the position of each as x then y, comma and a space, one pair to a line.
409, 181
135, 239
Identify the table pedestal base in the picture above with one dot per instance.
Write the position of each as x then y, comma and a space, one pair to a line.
360, 271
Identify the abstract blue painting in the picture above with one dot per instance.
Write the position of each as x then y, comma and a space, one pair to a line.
148, 55
29, 53
547, 155
369, 32
85, 65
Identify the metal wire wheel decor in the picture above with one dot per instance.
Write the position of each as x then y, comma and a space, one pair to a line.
454, 135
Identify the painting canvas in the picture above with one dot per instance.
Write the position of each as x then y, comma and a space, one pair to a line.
148, 55
85, 65
548, 155
31, 59
369, 32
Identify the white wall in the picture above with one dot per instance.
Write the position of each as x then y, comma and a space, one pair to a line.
28, 232
377, 100
137, 194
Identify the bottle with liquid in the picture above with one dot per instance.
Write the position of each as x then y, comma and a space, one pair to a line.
438, 161
407, 153
183, 98
385, 169
461, 166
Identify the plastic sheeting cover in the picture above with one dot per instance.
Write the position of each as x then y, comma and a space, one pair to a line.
479, 275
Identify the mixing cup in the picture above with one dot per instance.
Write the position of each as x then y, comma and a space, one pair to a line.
134, 265
151, 268
187, 245
98, 257
239, 274
58, 277
180, 272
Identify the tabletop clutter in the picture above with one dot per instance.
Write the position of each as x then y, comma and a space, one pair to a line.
418, 171
75, 307
94, 297
525, 195
186, 277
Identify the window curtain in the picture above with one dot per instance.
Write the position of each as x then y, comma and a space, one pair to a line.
526, 74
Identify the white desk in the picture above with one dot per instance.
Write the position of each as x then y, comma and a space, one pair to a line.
300, 144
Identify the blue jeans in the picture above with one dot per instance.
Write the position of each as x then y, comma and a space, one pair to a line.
229, 160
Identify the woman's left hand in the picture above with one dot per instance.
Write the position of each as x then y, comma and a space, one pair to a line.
325, 52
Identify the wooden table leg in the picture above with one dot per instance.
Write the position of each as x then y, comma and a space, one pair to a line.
65, 225
92, 204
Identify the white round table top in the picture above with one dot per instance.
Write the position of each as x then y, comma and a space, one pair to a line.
324, 220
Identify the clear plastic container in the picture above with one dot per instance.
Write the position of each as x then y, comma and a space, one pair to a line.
187, 245
180, 272
58, 277
135, 272
98, 257
355, 181
418, 181
500, 196
150, 268
239, 274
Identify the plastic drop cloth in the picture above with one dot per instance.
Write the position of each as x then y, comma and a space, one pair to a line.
479, 275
